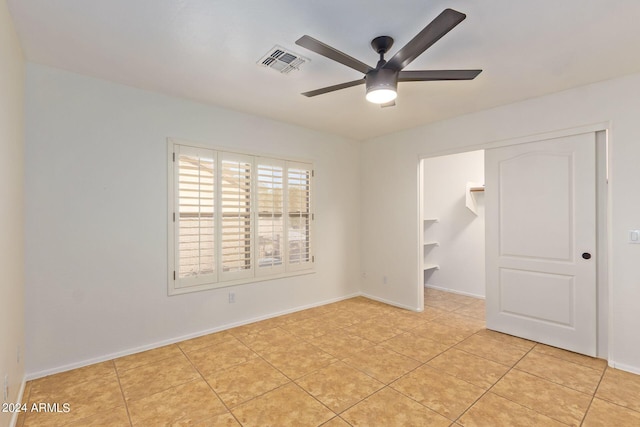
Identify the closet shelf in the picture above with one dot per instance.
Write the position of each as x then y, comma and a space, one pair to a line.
470, 199
431, 267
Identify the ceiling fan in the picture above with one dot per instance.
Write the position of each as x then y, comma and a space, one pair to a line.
382, 81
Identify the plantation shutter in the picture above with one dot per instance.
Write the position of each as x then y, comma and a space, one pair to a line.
195, 216
299, 216
270, 244
236, 222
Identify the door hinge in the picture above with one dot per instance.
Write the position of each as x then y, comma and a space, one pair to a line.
174, 157
313, 173
313, 217
174, 275
313, 259
174, 217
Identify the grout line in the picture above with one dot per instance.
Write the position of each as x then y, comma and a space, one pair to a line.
593, 396
124, 399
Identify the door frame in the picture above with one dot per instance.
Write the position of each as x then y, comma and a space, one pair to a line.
604, 283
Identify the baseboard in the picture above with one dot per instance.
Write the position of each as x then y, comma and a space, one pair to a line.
393, 303
14, 417
454, 291
623, 367
35, 375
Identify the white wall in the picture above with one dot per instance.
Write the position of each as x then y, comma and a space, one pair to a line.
96, 232
11, 208
460, 232
390, 177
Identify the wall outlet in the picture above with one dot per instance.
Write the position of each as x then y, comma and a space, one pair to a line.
232, 297
364, 275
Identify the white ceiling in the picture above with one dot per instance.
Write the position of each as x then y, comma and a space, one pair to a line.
207, 50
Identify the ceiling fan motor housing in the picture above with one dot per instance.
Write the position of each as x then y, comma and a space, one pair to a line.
381, 78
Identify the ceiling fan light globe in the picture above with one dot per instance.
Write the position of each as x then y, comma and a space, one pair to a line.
381, 96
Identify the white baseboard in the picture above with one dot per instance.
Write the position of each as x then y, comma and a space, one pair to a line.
35, 375
14, 418
623, 367
453, 291
395, 304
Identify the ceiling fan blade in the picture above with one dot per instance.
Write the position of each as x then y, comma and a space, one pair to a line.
388, 104
432, 75
332, 53
333, 88
437, 28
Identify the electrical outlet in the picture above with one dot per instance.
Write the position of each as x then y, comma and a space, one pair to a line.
232, 297
364, 275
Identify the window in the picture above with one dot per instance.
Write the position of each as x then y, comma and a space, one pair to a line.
236, 218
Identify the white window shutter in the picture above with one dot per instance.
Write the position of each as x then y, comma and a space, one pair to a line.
195, 256
236, 225
299, 216
270, 237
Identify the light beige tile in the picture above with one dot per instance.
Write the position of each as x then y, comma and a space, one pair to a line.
203, 341
338, 386
142, 358
476, 309
461, 322
187, 403
284, 406
468, 367
70, 378
552, 400
441, 392
442, 333
415, 346
443, 304
115, 417
374, 330
85, 399
336, 422
298, 360
429, 313
577, 377
580, 359
156, 376
382, 363
507, 339
390, 408
603, 413
268, 339
223, 355
342, 344
223, 420
245, 381
309, 328
491, 349
621, 388
493, 410
405, 320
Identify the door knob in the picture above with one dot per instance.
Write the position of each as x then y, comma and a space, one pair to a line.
586, 255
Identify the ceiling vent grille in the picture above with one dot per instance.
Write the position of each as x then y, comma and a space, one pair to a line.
282, 60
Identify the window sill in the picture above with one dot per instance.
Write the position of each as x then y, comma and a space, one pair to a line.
197, 288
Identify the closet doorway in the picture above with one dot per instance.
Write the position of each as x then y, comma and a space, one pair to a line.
453, 235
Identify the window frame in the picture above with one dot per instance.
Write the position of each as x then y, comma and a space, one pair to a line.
220, 279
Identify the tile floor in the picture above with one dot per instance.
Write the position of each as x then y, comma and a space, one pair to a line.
356, 362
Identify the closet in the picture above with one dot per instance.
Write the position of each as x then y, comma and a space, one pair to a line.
453, 223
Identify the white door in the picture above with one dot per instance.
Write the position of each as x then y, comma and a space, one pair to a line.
541, 240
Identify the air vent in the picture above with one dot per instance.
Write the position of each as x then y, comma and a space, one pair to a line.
282, 60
